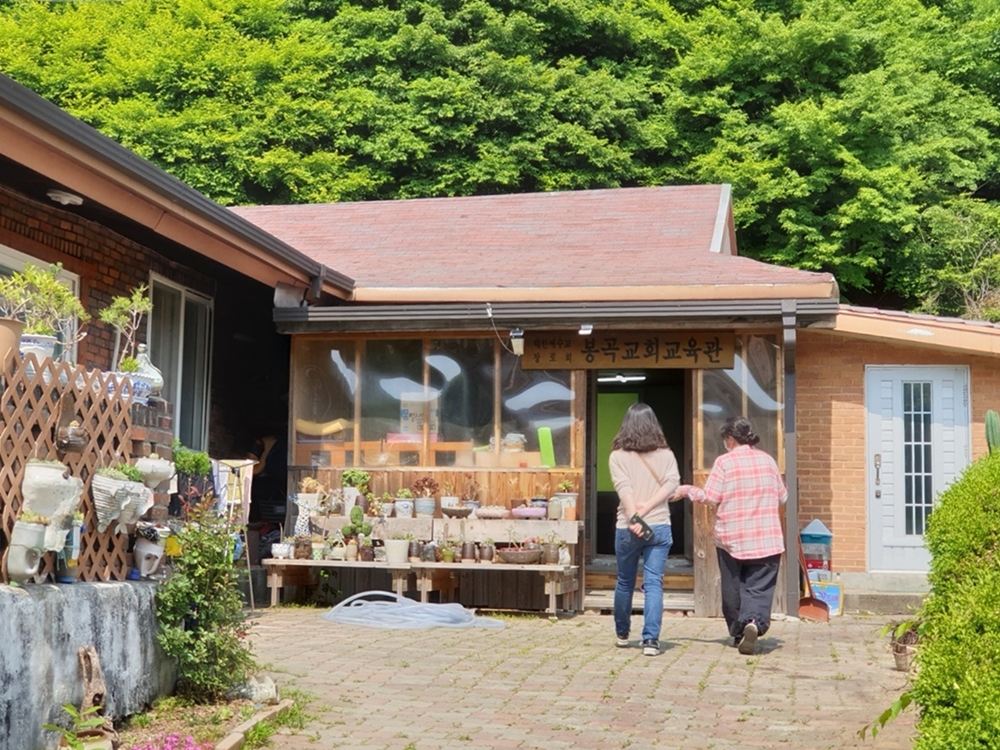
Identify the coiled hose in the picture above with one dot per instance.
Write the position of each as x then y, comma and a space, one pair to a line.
401, 613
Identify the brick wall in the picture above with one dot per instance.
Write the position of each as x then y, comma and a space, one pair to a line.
109, 265
830, 419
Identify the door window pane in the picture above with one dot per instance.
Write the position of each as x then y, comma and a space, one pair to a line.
394, 404
918, 494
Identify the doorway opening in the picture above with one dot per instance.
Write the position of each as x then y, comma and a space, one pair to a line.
664, 391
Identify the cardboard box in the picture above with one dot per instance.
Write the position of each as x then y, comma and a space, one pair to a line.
831, 592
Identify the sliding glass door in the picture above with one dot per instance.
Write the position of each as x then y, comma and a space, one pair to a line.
180, 345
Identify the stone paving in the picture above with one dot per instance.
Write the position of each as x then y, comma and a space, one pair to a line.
559, 685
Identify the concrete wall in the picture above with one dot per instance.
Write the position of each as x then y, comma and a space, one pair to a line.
830, 411
41, 628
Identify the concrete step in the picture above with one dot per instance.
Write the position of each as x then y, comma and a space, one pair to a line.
602, 601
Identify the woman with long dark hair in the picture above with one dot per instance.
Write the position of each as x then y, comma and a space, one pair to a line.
746, 486
644, 472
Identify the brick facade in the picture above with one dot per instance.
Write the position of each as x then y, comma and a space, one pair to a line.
830, 421
108, 264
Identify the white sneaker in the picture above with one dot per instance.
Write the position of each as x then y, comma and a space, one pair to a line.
749, 640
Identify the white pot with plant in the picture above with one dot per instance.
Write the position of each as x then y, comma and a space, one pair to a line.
108, 487
125, 315
27, 545
396, 550
50, 311
139, 498
309, 499
354, 483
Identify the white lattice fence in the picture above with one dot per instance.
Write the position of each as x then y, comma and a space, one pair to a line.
30, 408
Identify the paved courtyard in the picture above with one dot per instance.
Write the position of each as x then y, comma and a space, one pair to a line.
556, 685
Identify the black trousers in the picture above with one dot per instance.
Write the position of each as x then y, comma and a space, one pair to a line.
747, 591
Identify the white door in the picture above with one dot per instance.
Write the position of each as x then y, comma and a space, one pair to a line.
918, 443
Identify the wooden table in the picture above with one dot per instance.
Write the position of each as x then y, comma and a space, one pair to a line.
279, 570
559, 579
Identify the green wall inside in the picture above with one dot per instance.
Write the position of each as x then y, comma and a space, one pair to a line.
611, 408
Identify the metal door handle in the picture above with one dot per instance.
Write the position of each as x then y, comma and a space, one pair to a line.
878, 468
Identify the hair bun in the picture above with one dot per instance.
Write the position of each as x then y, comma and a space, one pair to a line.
752, 438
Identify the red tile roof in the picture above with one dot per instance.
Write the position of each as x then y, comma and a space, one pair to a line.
588, 243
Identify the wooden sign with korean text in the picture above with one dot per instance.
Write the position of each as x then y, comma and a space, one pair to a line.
616, 350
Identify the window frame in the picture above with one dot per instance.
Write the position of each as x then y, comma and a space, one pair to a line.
187, 293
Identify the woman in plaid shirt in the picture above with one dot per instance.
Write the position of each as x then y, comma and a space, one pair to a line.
746, 486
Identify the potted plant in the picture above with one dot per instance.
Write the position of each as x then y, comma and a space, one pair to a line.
903, 639
27, 543
424, 489
125, 315
48, 307
366, 552
486, 551
139, 497
381, 507
355, 483
567, 495
309, 500
396, 549
194, 474
470, 493
404, 503
550, 549
86, 732
13, 301
448, 497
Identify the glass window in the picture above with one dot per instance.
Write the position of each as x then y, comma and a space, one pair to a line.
11, 260
461, 378
750, 389
180, 345
324, 384
536, 404
394, 403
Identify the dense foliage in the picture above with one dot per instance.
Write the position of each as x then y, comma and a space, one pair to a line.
859, 135
202, 623
958, 683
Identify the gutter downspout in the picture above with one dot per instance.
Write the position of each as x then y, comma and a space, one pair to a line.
788, 317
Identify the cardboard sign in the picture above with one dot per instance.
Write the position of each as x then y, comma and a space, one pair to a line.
831, 592
610, 350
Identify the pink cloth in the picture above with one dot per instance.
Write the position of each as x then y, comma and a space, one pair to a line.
747, 487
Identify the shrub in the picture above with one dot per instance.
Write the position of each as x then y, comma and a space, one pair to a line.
957, 686
202, 625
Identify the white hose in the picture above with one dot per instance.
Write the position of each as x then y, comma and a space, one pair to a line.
404, 614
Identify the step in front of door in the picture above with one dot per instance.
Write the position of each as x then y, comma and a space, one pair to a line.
603, 601
671, 581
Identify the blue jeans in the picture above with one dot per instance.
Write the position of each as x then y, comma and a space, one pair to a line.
628, 549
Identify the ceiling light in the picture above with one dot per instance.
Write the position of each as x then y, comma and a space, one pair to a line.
586, 329
621, 378
64, 198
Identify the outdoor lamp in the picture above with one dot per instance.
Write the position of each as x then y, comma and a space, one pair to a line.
517, 341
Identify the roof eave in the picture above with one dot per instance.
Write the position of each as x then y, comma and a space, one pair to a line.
737, 313
48, 140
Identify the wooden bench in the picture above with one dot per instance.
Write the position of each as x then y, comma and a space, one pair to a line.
560, 580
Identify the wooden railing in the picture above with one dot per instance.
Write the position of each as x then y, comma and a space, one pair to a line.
30, 407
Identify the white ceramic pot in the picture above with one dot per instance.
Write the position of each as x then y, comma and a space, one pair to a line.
25, 552
424, 507
155, 471
43, 347
48, 491
449, 501
147, 556
386, 510
396, 551
139, 500
351, 495
281, 550
110, 497
404, 508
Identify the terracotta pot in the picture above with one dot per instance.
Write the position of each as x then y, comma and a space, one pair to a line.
10, 337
